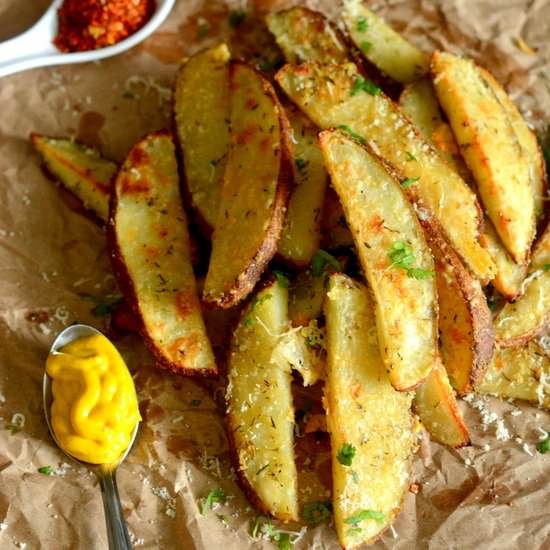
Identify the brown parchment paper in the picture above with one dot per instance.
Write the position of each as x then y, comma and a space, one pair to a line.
492, 494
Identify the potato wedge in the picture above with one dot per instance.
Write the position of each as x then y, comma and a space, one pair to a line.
393, 254
436, 405
509, 275
517, 323
519, 373
201, 113
381, 45
151, 255
306, 35
260, 414
526, 139
80, 169
257, 183
329, 95
465, 322
418, 101
305, 298
490, 148
335, 232
302, 231
371, 427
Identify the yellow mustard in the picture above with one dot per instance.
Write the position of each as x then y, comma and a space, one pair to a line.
95, 407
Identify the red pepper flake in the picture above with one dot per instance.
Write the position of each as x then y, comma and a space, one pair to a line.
91, 24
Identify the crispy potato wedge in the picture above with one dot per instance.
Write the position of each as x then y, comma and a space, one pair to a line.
526, 139
260, 414
418, 101
306, 35
328, 95
80, 169
335, 232
509, 275
366, 416
381, 45
302, 231
490, 148
465, 323
151, 255
519, 373
201, 113
436, 405
521, 321
394, 255
256, 188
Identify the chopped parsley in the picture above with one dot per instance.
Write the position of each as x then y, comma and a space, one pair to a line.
363, 85
361, 24
215, 496
347, 129
364, 514
317, 512
366, 46
236, 17
409, 156
301, 164
282, 279
46, 470
203, 30
352, 531
322, 261
104, 305
408, 182
544, 445
401, 256
263, 526
346, 454
546, 267
195, 402
249, 321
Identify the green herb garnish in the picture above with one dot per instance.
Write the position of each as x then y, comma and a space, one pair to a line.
355, 136
364, 514
362, 85
195, 402
215, 496
46, 470
417, 273
282, 279
544, 445
301, 164
249, 321
317, 512
105, 305
263, 526
346, 454
401, 256
409, 156
283, 541
366, 46
322, 261
408, 182
236, 17
353, 531
546, 267
361, 24
203, 30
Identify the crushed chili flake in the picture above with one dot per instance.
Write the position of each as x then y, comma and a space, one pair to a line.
91, 24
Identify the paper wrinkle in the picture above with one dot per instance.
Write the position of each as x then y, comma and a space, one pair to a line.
50, 256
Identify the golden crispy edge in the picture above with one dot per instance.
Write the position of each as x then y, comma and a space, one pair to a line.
252, 273
128, 289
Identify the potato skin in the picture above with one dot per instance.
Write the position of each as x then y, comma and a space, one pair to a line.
251, 273
128, 289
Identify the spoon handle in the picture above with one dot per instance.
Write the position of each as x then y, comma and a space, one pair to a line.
117, 533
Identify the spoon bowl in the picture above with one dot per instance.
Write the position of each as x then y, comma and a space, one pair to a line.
35, 47
117, 533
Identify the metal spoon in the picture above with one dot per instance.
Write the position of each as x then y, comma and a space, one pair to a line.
117, 533
35, 48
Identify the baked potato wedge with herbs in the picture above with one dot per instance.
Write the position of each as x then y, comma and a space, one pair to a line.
519, 373
80, 169
302, 230
394, 255
306, 35
381, 45
338, 96
491, 149
372, 429
516, 323
257, 183
419, 102
465, 323
201, 113
435, 404
260, 413
151, 255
